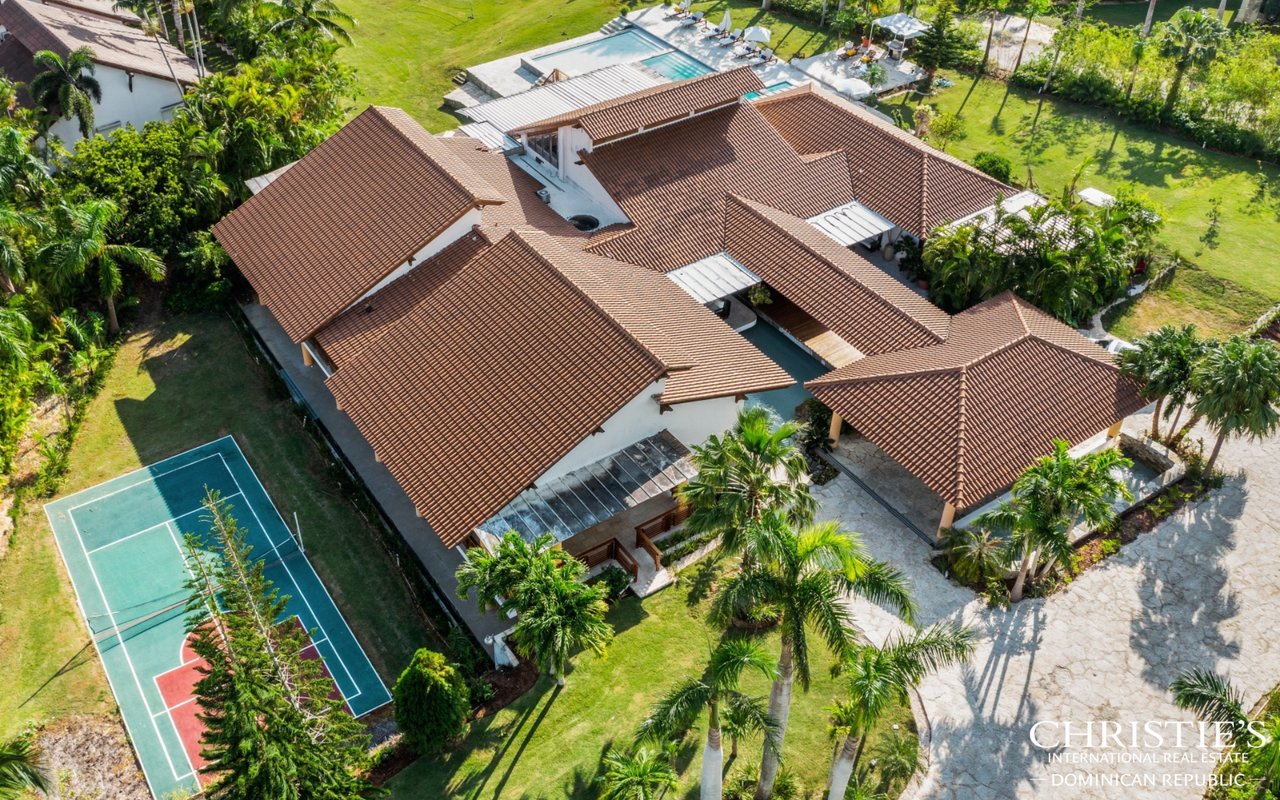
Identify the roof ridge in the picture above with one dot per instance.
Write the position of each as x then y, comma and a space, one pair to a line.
453, 168
962, 432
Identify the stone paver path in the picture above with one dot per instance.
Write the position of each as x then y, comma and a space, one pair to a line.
1202, 590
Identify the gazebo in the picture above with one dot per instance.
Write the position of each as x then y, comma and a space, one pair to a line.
968, 415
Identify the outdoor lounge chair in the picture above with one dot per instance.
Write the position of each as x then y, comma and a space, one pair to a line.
764, 56
847, 51
689, 22
680, 10
733, 38
745, 50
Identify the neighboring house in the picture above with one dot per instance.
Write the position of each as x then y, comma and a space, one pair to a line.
142, 78
521, 330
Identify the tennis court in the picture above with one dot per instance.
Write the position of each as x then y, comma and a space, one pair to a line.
122, 543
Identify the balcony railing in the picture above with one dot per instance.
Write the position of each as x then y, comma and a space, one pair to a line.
610, 550
651, 529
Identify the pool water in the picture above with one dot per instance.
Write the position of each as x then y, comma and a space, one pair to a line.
770, 89
621, 48
677, 66
792, 358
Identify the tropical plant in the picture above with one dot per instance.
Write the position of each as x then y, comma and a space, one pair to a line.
1048, 499
82, 245
431, 702
940, 46
1162, 362
715, 691
878, 678
21, 770
17, 335
898, 756
995, 165
642, 774
67, 88
975, 554
755, 467
558, 614
495, 576
22, 174
318, 16
1191, 39
806, 577
1214, 699
1237, 387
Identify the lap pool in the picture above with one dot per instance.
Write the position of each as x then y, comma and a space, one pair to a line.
625, 47
792, 358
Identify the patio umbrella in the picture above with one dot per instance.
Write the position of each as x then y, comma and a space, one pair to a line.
904, 26
853, 87
726, 22
757, 34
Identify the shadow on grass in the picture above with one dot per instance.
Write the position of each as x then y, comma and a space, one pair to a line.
85, 655
702, 579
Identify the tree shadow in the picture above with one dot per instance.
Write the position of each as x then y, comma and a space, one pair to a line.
85, 655
524, 743
702, 578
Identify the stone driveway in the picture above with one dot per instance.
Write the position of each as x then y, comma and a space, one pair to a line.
1202, 590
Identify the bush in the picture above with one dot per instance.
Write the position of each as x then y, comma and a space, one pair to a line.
995, 165
431, 702
615, 581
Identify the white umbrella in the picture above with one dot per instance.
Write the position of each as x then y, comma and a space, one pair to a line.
726, 22
757, 34
853, 87
904, 26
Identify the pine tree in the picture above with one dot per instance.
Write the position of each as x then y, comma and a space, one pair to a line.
273, 732
431, 702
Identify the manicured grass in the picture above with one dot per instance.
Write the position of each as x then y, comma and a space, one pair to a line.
1048, 140
173, 386
549, 744
1217, 307
1129, 14
407, 51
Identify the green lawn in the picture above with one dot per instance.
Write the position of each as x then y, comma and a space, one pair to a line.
407, 51
1130, 14
1217, 307
173, 386
548, 744
1049, 140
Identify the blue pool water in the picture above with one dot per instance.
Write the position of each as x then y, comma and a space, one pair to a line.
621, 48
792, 358
677, 66
770, 89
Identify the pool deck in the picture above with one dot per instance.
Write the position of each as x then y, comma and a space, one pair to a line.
829, 70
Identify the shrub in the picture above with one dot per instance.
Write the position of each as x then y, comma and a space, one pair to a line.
995, 165
431, 702
615, 581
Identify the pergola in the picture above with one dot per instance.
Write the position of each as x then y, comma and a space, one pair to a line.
967, 416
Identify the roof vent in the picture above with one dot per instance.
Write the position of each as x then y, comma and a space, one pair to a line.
545, 196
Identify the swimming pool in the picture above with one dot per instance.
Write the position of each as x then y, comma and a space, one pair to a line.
770, 89
677, 66
791, 357
624, 47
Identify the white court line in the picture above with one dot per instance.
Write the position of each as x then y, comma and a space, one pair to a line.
275, 548
169, 521
152, 465
128, 660
323, 588
150, 479
164, 711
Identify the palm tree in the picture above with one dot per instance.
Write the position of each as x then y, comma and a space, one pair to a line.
1146, 25
1162, 363
23, 176
1191, 39
67, 88
321, 16
81, 244
806, 576
16, 335
716, 691
879, 678
975, 554
1049, 498
496, 576
754, 467
639, 775
1212, 698
1237, 387
20, 770
560, 615
898, 756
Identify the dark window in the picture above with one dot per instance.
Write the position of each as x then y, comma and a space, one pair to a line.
548, 147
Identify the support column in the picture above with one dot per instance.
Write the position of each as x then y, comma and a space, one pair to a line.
948, 517
833, 433
1114, 430
307, 360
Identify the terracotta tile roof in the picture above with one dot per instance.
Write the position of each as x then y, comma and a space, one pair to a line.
893, 172
842, 290
103, 8
517, 187
662, 104
672, 184
501, 369
348, 214
114, 43
968, 415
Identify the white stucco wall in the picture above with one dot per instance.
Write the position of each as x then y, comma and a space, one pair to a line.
641, 418
122, 105
450, 235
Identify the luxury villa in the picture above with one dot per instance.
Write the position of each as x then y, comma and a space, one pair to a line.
142, 77
530, 329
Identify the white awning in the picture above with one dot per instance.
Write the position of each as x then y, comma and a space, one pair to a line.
1097, 197
714, 277
851, 223
904, 26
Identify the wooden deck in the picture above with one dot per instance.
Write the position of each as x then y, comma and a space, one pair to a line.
815, 336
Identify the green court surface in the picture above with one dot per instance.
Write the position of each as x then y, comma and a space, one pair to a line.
122, 544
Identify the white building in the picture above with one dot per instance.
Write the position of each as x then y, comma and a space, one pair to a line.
142, 78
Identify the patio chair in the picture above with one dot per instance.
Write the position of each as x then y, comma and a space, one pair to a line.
680, 10
733, 38
689, 22
745, 50
846, 52
763, 57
